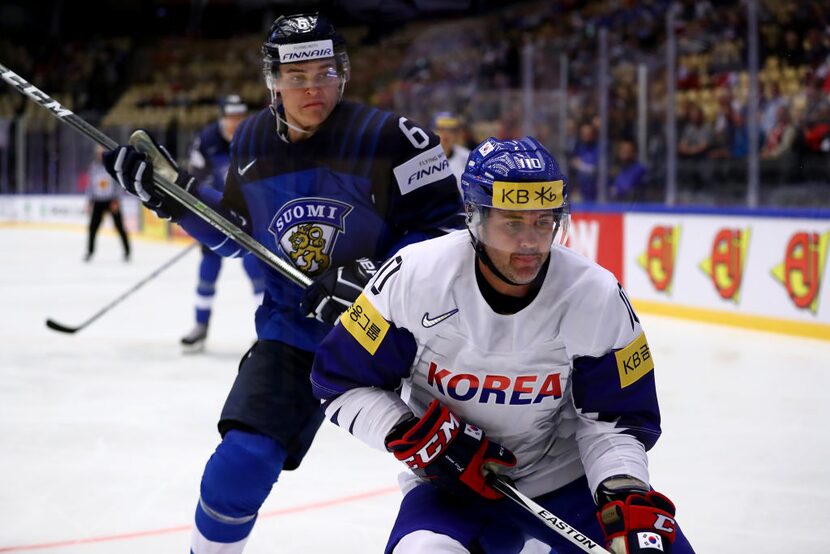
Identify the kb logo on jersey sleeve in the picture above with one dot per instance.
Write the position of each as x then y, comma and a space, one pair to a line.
634, 361
493, 388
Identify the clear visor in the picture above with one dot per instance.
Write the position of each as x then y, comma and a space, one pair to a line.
518, 230
305, 75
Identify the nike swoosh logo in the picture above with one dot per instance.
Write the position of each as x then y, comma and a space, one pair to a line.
431, 322
243, 170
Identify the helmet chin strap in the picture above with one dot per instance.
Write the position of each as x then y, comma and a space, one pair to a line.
481, 252
282, 121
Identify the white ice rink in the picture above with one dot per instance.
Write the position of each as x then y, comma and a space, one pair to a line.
105, 433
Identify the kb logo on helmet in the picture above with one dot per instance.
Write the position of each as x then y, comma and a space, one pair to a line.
527, 196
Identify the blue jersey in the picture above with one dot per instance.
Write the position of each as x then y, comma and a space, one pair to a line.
366, 183
210, 157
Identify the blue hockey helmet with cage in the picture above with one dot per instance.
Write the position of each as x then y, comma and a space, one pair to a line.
513, 175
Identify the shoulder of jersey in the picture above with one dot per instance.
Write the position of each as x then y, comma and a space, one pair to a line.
210, 134
364, 123
432, 258
581, 278
255, 135
574, 261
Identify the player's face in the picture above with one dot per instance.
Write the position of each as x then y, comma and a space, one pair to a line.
229, 123
518, 242
449, 138
310, 91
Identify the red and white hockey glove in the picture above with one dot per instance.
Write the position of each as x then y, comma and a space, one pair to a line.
449, 452
636, 520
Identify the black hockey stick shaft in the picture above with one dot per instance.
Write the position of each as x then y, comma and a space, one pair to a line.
183, 197
552, 521
55, 326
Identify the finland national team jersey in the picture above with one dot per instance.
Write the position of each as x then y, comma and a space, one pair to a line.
210, 158
565, 383
364, 184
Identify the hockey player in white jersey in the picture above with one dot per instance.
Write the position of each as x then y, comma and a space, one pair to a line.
511, 354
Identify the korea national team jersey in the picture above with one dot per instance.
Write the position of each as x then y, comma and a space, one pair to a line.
566, 383
210, 158
364, 184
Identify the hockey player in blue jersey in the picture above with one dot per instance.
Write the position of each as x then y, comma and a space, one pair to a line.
209, 160
331, 186
498, 349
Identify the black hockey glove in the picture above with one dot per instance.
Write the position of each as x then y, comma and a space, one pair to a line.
449, 452
336, 289
134, 172
635, 520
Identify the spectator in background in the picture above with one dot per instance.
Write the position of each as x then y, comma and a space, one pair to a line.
816, 123
793, 52
723, 126
628, 174
450, 130
103, 196
770, 104
584, 163
779, 140
733, 170
777, 154
739, 143
696, 140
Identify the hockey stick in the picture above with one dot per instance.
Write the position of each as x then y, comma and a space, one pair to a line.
552, 521
162, 181
55, 326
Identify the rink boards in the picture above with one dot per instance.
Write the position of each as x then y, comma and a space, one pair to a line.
761, 269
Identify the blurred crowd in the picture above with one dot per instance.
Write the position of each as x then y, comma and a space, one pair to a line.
476, 67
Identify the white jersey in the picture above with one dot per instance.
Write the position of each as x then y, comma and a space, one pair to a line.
565, 383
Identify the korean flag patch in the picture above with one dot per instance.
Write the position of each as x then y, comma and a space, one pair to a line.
650, 540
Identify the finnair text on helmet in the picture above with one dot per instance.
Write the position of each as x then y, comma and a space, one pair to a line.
306, 51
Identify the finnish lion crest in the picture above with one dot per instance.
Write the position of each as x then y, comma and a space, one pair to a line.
306, 231
308, 244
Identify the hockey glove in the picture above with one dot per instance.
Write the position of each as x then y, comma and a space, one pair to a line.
134, 172
336, 289
635, 520
449, 452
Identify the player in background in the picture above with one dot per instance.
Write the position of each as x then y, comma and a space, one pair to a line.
449, 129
498, 349
103, 196
209, 162
332, 186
